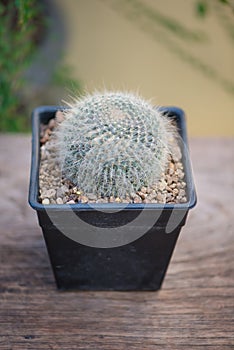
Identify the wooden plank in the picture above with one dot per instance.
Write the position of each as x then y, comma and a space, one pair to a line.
193, 310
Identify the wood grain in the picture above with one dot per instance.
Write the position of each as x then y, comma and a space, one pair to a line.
193, 310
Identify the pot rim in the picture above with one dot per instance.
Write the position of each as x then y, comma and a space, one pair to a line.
171, 111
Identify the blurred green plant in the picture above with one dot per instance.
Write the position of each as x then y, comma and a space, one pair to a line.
224, 10
173, 34
202, 6
19, 36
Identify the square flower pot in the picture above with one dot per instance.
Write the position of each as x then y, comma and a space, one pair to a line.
112, 246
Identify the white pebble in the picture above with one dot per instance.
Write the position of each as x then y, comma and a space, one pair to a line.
48, 193
91, 196
162, 185
84, 199
59, 200
182, 193
143, 189
46, 201
161, 197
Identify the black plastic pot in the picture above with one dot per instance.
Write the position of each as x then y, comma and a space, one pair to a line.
134, 255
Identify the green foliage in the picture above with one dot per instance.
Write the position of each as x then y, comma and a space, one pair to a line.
202, 6
165, 29
112, 144
18, 24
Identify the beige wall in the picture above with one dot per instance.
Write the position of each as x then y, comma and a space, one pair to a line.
121, 44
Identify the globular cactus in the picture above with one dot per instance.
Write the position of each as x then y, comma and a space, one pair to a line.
114, 143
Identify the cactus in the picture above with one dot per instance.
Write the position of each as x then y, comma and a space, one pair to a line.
114, 143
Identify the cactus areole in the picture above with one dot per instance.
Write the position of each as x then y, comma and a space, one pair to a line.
112, 144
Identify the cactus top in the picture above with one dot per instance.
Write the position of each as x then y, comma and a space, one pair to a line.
114, 143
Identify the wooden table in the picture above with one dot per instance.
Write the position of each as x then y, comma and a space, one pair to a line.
193, 310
